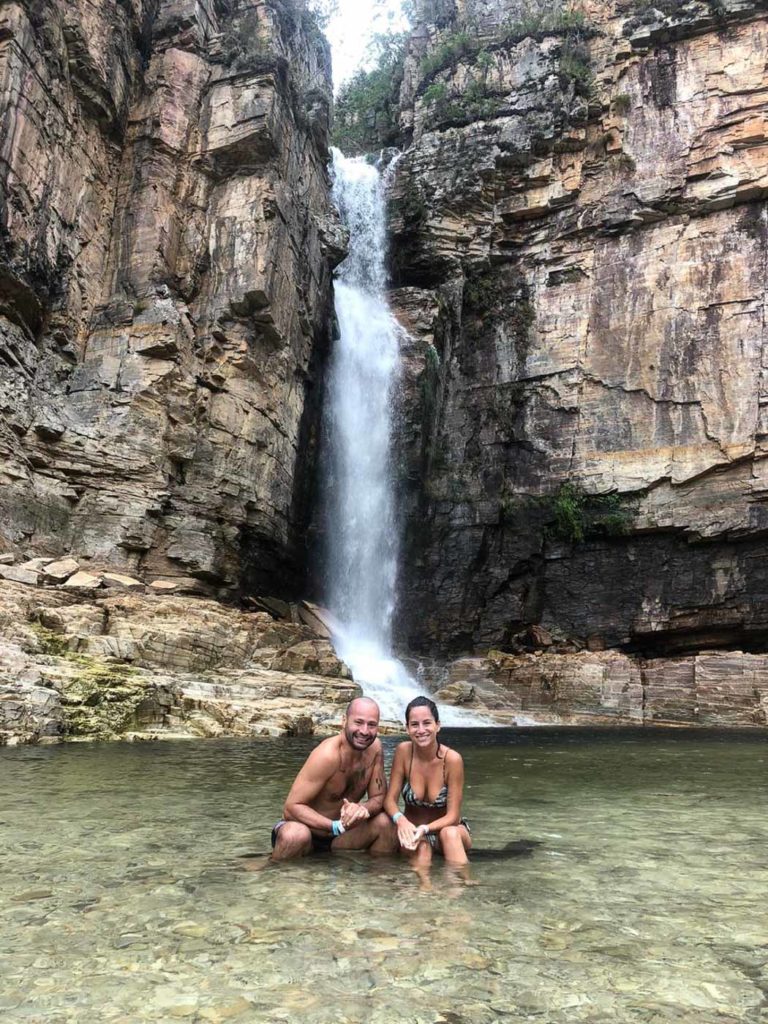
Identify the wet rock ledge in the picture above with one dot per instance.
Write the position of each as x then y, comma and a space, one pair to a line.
103, 656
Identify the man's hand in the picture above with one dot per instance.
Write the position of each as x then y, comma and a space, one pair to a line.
353, 814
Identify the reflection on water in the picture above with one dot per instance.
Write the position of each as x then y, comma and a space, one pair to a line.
123, 895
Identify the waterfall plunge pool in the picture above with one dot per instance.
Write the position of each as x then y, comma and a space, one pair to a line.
123, 895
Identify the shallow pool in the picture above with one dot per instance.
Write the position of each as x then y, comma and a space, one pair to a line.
123, 893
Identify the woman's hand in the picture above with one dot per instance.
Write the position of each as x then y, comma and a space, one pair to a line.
406, 833
410, 836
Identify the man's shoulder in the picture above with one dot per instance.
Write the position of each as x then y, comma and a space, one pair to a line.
326, 750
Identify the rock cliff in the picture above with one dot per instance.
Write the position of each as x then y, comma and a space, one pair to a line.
78, 664
580, 257
166, 243
580, 244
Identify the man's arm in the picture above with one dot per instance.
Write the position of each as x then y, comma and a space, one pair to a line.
353, 813
377, 784
308, 784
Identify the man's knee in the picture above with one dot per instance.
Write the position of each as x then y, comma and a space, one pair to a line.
384, 834
382, 824
292, 840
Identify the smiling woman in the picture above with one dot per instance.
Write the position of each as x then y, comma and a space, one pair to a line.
423, 765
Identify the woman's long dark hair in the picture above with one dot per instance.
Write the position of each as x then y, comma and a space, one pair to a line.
425, 702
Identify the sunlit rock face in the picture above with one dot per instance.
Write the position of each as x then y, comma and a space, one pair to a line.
80, 665
166, 242
715, 689
580, 238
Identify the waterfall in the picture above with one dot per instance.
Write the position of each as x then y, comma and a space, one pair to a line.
362, 569
363, 526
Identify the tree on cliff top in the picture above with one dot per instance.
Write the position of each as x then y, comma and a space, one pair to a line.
365, 118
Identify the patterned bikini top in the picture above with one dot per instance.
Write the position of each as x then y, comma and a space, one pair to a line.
410, 798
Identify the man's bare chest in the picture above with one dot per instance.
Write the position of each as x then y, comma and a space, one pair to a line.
349, 781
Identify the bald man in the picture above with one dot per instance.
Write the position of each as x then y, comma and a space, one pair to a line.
325, 808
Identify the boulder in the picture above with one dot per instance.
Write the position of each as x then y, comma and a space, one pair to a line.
320, 620
34, 564
17, 574
118, 580
315, 657
57, 572
83, 581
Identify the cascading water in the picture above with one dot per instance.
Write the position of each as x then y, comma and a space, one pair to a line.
363, 528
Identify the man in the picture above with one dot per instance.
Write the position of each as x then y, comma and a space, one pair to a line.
324, 809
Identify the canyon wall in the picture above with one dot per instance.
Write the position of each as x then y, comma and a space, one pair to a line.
580, 253
166, 246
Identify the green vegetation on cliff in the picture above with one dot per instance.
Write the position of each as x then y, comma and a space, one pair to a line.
480, 95
577, 515
366, 114
467, 41
99, 698
247, 41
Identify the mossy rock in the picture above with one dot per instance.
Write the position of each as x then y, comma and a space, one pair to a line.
99, 698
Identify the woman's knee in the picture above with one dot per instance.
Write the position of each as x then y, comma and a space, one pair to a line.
451, 834
422, 855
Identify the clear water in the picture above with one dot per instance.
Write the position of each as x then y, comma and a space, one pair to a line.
123, 896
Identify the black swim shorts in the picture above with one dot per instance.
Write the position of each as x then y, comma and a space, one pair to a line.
320, 844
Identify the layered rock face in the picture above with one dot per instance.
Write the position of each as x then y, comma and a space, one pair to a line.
166, 242
715, 689
78, 665
580, 248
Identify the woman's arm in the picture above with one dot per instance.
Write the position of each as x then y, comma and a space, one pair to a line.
454, 777
396, 777
405, 829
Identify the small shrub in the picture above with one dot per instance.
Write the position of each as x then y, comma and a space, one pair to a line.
448, 52
567, 508
622, 104
544, 22
437, 92
575, 516
575, 65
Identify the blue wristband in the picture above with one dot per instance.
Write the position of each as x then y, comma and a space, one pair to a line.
337, 828
396, 817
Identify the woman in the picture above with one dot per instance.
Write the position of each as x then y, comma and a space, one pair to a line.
431, 779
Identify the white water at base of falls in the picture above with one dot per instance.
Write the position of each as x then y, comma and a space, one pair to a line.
363, 526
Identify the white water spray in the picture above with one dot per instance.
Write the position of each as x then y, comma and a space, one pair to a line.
363, 528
